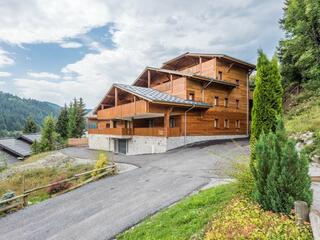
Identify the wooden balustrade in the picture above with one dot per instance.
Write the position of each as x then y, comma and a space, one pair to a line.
124, 110
172, 132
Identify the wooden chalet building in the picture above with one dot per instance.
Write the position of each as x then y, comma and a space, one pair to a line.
191, 98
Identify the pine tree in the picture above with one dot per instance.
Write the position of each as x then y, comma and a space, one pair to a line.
72, 119
49, 136
281, 174
80, 118
267, 104
30, 126
62, 123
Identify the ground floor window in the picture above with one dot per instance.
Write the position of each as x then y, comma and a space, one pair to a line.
237, 123
226, 123
172, 123
216, 123
151, 123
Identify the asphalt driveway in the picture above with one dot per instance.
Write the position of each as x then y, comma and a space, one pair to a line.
102, 209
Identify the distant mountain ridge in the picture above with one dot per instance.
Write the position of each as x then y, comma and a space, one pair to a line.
15, 110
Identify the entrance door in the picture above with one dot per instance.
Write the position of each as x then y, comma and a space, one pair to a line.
122, 146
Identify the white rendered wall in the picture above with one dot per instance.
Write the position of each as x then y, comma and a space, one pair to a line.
146, 144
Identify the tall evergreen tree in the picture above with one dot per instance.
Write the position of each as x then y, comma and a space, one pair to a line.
49, 136
80, 118
30, 126
299, 52
62, 123
72, 119
267, 97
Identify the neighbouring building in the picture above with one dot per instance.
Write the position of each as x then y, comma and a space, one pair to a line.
193, 97
15, 149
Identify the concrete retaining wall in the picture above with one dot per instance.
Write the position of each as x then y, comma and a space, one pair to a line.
174, 142
148, 144
315, 223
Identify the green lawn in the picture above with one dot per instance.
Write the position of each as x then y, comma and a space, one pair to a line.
186, 219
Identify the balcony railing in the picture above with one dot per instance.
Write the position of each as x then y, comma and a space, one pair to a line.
161, 132
123, 111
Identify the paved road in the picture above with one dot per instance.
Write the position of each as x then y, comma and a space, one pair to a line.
102, 209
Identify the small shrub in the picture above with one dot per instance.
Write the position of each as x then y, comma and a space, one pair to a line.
243, 219
59, 187
244, 179
101, 162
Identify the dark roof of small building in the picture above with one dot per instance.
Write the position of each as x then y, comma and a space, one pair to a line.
15, 146
30, 138
156, 96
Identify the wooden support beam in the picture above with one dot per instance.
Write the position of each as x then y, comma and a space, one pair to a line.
116, 97
230, 66
135, 104
171, 80
200, 63
167, 121
149, 78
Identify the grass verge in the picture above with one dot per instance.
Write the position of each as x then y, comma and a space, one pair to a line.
185, 219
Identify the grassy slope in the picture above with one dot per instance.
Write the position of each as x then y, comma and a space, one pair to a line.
185, 219
304, 116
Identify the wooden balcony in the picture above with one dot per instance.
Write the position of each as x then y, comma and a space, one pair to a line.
124, 111
157, 132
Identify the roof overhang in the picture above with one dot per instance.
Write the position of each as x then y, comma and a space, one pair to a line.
242, 63
178, 73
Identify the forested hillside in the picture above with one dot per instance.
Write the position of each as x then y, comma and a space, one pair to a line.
15, 110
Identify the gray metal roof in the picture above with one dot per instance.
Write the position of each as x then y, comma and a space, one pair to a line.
16, 146
157, 96
31, 137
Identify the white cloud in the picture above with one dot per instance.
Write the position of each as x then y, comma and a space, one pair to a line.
45, 75
5, 74
144, 33
70, 45
2, 82
32, 21
5, 59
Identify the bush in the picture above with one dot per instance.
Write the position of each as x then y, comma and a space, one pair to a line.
244, 179
242, 219
281, 175
101, 162
59, 187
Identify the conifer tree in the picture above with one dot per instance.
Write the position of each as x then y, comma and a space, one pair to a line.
281, 174
30, 126
48, 135
267, 104
62, 123
72, 118
80, 118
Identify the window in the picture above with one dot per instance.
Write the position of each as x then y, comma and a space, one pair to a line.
107, 125
191, 96
226, 123
114, 124
216, 101
226, 102
219, 75
237, 103
237, 123
238, 82
216, 123
172, 123
151, 123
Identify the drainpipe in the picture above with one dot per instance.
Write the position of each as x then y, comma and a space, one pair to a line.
185, 123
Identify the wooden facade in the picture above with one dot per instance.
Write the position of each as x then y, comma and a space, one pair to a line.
218, 80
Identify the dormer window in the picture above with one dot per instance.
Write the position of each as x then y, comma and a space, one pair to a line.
216, 101
219, 75
238, 82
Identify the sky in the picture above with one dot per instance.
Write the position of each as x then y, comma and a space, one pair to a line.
57, 50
